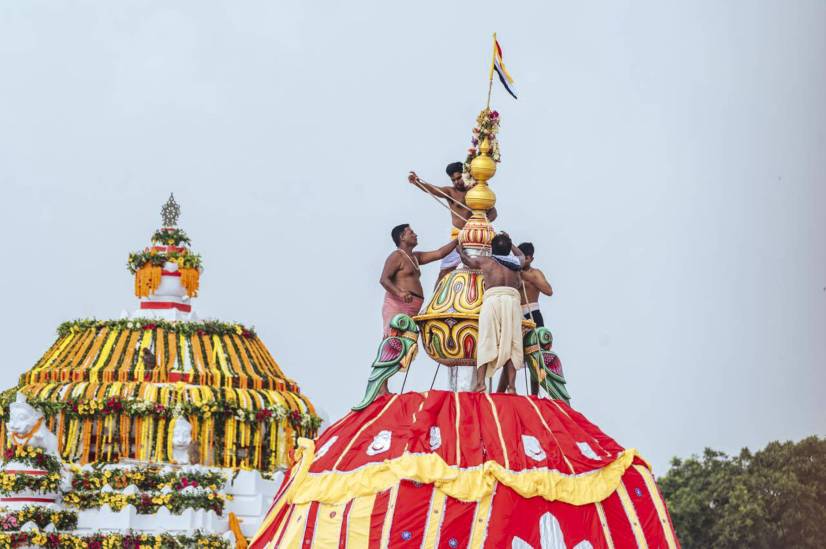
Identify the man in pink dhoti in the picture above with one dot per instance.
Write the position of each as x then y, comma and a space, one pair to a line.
402, 275
500, 320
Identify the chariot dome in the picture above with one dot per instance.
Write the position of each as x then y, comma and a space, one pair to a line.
161, 389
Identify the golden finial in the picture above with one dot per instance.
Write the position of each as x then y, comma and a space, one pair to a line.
482, 168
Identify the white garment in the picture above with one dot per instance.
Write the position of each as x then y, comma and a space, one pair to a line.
500, 330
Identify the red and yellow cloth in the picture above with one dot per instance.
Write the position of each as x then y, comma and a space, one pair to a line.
443, 469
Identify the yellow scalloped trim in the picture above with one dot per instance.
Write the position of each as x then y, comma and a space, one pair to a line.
470, 484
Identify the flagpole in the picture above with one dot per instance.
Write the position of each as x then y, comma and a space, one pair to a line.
490, 77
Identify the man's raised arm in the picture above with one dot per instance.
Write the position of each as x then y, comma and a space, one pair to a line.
428, 257
439, 192
471, 262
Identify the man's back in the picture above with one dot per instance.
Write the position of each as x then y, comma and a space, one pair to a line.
497, 274
535, 283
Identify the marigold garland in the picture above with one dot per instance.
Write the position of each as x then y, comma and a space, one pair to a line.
148, 503
62, 540
208, 327
13, 483
157, 258
147, 280
190, 280
171, 237
33, 457
146, 478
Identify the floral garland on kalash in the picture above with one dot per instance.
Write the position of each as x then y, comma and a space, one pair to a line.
55, 540
147, 266
487, 126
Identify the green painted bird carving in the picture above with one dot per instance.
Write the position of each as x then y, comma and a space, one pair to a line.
396, 351
544, 364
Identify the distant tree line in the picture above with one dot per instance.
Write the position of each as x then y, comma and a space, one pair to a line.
773, 498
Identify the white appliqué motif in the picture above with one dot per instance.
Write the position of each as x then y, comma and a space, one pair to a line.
550, 536
381, 443
435, 438
326, 447
586, 450
532, 448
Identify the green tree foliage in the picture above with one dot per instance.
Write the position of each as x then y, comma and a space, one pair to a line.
773, 498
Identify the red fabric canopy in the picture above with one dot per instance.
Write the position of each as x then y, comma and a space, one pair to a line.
444, 469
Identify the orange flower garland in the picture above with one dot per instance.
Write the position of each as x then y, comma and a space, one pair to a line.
147, 280
190, 280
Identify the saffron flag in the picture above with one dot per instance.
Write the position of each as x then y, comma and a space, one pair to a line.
498, 65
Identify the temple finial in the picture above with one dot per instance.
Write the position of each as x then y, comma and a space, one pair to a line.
170, 212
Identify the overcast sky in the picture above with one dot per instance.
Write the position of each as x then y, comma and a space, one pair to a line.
666, 158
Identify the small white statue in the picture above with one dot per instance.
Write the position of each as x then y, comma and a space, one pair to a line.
181, 441
27, 426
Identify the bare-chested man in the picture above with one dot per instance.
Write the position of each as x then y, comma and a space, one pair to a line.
459, 212
500, 320
535, 284
401, 276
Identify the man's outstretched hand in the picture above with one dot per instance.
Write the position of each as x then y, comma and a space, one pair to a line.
413, 178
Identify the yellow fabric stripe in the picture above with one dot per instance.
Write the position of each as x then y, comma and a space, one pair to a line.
278, 531
358, 522
658, 505
504, 70
545, 424
68, 339
631, 513
327, 527
470, 484
434, 518
606, 532
294, 535
360, 431
481, 518
499, 430
304, 454
388, 517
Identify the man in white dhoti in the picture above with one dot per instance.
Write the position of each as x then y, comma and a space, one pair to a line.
500, 320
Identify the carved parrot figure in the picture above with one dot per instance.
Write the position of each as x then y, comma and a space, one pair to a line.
396, 351
544, 364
